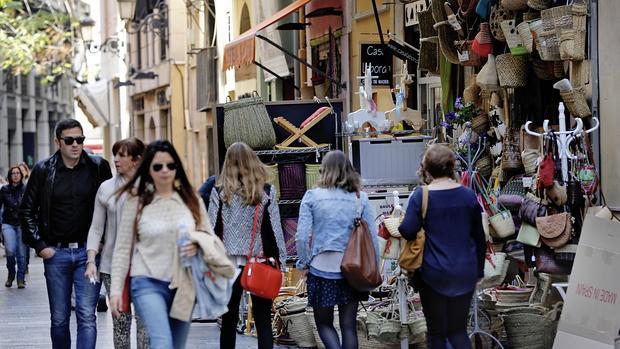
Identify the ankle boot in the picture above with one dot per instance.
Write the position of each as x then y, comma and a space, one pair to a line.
9, 282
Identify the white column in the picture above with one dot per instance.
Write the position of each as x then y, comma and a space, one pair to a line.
43, 134
16, 153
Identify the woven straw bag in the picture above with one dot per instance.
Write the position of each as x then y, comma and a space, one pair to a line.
297, 324
513, 39
511, 70
571, 16
447, 35
511, 152
514, 5
555, 230
530, 327
247, 120
573, 45
499, 14
429, 43
502, 224
527, 38
529, 157
576, 103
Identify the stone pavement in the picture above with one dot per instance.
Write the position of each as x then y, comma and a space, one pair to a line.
25, 318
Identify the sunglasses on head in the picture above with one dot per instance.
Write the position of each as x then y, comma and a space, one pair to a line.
171, 166
70, 140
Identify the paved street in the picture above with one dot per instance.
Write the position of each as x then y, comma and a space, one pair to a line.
25, 318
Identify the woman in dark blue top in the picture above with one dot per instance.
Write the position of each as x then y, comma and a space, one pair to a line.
454, 251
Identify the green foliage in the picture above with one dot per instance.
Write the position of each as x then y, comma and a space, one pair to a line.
35, 40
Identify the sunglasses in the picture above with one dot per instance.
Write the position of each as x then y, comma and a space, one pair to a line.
172, 166
70, 140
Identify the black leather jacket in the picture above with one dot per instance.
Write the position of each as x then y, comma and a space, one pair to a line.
10, 196
34, 211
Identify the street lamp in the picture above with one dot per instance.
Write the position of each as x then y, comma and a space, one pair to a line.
127, 9
86, 28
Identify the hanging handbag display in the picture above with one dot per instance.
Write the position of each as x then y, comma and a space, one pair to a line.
247, 120
546, 171
260, 279
412, 254
359, 263
389, 246
555, 230
494, 266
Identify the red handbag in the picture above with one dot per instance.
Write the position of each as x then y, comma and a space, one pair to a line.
260, 279
126, 297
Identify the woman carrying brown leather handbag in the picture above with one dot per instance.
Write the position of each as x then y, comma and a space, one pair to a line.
454, 250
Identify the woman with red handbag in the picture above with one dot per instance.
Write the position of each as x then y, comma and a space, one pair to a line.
246, 217
326, 219
160, 215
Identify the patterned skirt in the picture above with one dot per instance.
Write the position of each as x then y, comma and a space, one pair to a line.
323, 293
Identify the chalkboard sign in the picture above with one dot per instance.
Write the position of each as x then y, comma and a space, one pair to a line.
381, 59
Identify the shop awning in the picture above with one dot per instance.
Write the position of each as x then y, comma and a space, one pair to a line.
241, 50
91, 99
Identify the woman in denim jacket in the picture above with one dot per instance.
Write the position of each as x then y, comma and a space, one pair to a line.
325, 223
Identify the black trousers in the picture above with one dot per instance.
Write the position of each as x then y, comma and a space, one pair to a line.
446, 318
261, 310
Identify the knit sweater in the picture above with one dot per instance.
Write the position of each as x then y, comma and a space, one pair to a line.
238, 218
155, 248
105, 220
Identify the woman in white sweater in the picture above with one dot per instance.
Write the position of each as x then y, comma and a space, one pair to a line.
147, 249
106, 218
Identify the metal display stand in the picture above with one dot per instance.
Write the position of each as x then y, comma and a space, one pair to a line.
564, 137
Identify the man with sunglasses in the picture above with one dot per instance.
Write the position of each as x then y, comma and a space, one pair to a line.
56, 214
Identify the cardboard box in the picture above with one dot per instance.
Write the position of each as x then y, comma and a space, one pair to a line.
591, 315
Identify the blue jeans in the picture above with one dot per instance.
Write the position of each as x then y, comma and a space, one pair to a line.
152, 299
16, 251
63, 273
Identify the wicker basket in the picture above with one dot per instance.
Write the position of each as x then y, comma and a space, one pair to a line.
544, 293
565, 17
312, 175
548, 46
513, 295
573, 45
299, 329
511, 70
274, 178
480, 123
576, 103
528, 328
485, 165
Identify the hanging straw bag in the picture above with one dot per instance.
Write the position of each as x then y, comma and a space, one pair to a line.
576, 102
247, 120
513, 39
429, 43
511, 154
499, 14
511, 70
573, 45
494, 266
539, 4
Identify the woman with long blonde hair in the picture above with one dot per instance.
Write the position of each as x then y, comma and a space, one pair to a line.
241, 187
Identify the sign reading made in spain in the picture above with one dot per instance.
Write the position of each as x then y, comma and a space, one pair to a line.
380, 58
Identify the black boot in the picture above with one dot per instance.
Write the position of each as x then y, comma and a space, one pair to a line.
9, 281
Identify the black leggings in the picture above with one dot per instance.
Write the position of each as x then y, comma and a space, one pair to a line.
446, 319
324, 319
261, 310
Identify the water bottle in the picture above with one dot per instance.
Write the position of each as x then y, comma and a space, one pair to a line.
182, 239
